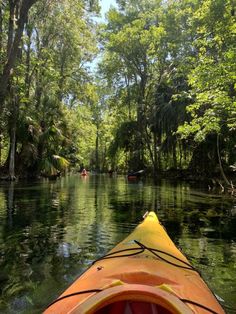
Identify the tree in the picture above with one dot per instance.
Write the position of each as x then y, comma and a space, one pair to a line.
147, 51
18, 15
129, 42
49, 79
213, 80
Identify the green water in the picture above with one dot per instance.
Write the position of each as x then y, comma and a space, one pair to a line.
50, 231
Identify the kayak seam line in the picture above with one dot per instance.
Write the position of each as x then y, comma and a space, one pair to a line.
199, 305
112, 255
152, 250
73, 294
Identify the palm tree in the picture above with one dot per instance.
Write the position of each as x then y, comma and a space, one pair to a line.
40, 149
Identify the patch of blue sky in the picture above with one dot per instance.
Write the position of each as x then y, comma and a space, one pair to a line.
105, 6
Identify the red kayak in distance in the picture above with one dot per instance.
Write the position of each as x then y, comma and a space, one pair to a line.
132, 176
84, 173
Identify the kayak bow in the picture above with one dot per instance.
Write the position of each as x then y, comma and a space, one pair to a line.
145, 273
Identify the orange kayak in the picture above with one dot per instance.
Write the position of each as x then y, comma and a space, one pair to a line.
144, 274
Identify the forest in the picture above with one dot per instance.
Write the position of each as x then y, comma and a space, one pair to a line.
152, 87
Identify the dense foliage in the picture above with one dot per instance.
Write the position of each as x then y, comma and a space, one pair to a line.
163, 96
172, 69
48, 101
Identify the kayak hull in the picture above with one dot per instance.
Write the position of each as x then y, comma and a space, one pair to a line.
145, 273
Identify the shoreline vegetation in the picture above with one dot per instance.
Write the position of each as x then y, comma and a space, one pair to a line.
151, 87
212, 183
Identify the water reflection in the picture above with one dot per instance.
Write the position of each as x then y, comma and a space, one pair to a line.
51, 231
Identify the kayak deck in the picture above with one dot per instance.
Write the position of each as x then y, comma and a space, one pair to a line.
145, 273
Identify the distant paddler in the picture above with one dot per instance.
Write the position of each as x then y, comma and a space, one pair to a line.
84, 172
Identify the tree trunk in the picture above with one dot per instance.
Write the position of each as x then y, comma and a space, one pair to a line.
10, 27
0, 149
97, 155
12, 154
174, 155
141, 118
148, 143
28, 55
38, 76
13, 48
180, 156
128, 96
155, 150
62, 74
1, 32
219, 160
15, 112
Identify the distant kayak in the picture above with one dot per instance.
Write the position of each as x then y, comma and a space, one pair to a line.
84, 173
135, 175
145, 273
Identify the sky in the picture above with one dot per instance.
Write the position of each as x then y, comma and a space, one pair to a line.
105, 5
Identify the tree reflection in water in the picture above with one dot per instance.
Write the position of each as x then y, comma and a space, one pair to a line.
51, 231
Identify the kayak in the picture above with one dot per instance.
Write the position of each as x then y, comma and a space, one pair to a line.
132, 177
135, 175
84, 173
145, 273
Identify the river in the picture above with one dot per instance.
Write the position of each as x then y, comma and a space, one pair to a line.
50, 231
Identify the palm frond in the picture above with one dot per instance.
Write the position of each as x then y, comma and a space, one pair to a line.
59, 162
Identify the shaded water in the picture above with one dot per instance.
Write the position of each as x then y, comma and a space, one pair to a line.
51, 231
